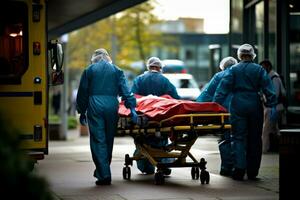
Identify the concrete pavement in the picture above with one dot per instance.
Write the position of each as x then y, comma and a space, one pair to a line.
69, 168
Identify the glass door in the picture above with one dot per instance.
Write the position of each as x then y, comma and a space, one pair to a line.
294, 35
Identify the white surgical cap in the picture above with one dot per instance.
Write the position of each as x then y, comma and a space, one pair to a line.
154, 61
100, 54
227, 62
246, 49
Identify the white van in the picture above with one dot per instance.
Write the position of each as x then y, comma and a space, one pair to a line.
186, 86
174, 66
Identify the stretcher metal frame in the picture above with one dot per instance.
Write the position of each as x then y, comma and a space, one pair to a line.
183, 130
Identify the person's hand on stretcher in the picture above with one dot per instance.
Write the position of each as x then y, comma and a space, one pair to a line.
134, 116
137, 120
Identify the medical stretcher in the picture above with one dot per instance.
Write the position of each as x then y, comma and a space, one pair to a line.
182, 129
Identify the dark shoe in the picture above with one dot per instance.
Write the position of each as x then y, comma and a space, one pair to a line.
148, 173
253, 178
103, 182
225, 172
238, 174
252, 174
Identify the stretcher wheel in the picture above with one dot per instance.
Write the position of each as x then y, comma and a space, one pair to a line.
126, 173
195, 173
204, 177
159, 178
167, 171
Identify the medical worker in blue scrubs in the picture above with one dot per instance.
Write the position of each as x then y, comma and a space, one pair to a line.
207, 96
209, 91
97, 98
153, 82
246, 81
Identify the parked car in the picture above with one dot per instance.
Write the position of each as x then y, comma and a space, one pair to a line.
174, 66
187, 87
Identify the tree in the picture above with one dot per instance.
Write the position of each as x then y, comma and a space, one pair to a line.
83, 42
128, 36
136, 33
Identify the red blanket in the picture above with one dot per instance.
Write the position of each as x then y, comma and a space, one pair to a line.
158, 108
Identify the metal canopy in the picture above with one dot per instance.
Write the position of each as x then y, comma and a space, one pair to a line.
68, 15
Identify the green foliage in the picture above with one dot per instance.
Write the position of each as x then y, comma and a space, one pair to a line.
130, 32
53, 119
17, 182
83, 42
136, 35
72, 121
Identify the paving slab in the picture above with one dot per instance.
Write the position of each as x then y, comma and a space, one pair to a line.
69, 168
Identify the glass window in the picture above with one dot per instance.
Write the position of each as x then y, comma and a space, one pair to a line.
188, 83
173, 52
189, 53
203, 56
294, 36
259, 26
272, 33
236, 25
182, 82
13, 45
237, 16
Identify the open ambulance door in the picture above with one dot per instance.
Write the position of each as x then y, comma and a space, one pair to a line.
24, 72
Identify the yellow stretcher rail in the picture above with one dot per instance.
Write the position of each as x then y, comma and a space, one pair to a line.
183, 131
175, 128
192, 116
187, 122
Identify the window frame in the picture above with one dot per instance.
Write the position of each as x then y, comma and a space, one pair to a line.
9, 6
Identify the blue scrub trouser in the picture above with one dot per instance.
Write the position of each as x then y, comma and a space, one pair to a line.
102, 131
226, 152
246, 140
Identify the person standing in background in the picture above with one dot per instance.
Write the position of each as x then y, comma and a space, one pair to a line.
270, 133
56, 99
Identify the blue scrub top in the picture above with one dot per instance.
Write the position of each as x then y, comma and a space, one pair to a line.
103, 80
209, 91
153, 82
245, 81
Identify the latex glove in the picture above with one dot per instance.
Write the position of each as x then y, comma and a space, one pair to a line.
134, 116
82, 119
273, 115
